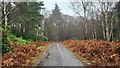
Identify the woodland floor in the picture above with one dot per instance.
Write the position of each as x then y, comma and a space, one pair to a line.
67, 53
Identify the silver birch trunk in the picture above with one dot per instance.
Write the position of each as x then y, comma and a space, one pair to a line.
5, 14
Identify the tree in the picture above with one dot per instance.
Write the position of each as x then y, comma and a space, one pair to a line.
93, 17
46, 14
55, 25
108, 19
118, 19
28, 19
78, 7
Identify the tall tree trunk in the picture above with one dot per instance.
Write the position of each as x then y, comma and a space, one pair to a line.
95, 33
118, 29
85, 32
107, 27
5, 15
107, 30
111, 25
103, 30
93, 36
85, 24
111, 31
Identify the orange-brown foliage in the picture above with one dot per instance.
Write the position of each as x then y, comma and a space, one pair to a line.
21, 55
102, 52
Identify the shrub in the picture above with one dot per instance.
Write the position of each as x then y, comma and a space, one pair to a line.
23, 41
13, 38
42, 38
8, 37
5, 48
21, 56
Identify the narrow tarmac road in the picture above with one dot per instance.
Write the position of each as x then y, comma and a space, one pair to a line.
58, 55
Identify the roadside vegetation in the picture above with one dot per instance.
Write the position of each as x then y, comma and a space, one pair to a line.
28, 28
94, 52
20, 47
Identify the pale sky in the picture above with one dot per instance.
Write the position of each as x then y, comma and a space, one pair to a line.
63, 4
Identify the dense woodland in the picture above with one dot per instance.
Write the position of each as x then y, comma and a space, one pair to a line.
100, 23
92, 22
24, 23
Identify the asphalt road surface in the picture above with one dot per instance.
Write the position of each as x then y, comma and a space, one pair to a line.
58, 55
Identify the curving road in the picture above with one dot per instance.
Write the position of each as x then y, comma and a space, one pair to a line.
58, 55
